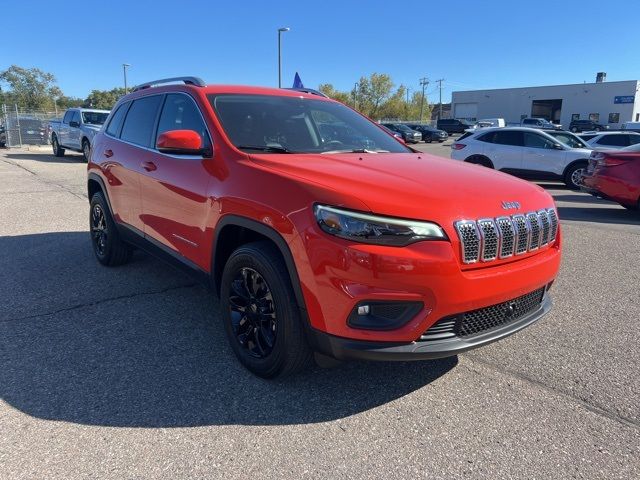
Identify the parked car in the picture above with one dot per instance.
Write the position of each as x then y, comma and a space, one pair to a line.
541, 123
76, 130
615, 175
408, 135
526, 152
429, 133
312, 246
3, 136
631, 126
586, 125
395, 135
613, 140
571, 140
452, 125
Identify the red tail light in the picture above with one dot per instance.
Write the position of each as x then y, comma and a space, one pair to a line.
605, 160
458, 146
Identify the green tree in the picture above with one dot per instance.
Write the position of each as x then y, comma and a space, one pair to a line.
103, 99
373, 92
331, 92
30, 88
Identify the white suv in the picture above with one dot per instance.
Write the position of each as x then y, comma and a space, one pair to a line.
525, 152
613, 140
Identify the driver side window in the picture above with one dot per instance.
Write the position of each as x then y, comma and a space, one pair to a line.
533, 140
181, 113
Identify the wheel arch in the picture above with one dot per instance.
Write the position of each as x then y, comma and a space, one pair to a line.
479, 157
95, 184
233, 231
572, 164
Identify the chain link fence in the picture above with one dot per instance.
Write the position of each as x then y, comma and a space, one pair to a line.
20, 127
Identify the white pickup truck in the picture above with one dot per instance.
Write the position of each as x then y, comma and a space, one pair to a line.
76, 130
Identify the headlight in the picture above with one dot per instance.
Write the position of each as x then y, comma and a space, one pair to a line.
367, 228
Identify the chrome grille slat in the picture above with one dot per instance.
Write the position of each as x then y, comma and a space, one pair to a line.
523, 232
553, 220
544, 221
469, 240
534, 223
489, 239
508, 236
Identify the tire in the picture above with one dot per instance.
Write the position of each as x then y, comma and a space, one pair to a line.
58, 151
634, 208
109, 249
429, 140
256, 293
479, 160
86, 149
573, 175
598, 129
574, 129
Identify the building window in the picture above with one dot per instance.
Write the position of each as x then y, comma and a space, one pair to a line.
614, 118
575, 116
594, 117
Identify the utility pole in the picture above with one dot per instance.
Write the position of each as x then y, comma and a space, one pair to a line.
424, 81
124, 71
355, 96
440, 86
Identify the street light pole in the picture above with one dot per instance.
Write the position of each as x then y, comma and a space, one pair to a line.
124, 70
280, 30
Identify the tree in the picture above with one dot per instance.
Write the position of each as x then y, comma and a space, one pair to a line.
331, 92
373, 92
103, 99
30, 88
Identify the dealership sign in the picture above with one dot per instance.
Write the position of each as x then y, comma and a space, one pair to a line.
624, 99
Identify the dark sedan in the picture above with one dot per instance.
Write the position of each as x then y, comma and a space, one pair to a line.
408, 135
429, 133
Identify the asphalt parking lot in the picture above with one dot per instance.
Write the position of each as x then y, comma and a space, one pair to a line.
125, 372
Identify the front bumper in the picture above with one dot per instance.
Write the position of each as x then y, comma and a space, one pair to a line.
348, 349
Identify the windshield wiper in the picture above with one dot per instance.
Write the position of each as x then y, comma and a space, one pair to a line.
265, 148
355, 150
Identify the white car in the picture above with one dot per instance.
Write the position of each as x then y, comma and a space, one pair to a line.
612, 140
525, 152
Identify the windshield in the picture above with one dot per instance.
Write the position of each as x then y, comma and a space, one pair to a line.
278, 124
569, 139
94, 118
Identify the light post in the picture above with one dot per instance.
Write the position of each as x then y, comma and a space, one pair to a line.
280, 30
124, 70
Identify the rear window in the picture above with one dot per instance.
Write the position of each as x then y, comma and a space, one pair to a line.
509, 137
614, 140
140, 121
115, 123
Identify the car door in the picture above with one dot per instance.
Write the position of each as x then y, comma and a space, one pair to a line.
540, 154
73, 139
63, 132
126, 155
175, 187
505, 150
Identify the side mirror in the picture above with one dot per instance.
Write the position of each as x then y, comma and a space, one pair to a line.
74, 124
557, 146
180, 142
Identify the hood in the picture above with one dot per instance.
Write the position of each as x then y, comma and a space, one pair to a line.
91, 126
580, 152
415, 186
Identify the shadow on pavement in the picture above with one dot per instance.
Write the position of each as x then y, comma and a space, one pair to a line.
601, 214
158, 358
45, 157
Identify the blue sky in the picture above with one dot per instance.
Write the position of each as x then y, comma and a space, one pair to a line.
471, 44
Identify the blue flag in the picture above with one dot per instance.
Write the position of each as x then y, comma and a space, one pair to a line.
297, 83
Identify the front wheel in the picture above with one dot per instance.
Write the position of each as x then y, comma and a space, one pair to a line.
261, 318
58, 151
573, 176
86, 150
574, 129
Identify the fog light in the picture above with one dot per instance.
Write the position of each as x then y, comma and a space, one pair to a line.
383, 315
363, 310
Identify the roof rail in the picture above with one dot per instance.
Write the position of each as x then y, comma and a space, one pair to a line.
309, 90
198, 82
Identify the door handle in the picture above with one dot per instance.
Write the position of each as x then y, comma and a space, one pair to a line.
108, 153
149, 166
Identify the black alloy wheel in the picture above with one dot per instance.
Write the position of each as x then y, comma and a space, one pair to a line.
86, 150
253, 313
99, 230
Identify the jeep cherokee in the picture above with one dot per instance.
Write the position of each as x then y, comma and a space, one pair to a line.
318, 230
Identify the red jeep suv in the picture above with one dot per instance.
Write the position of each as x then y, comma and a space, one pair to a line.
319, 231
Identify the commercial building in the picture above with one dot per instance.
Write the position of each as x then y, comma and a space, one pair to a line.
610, 103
